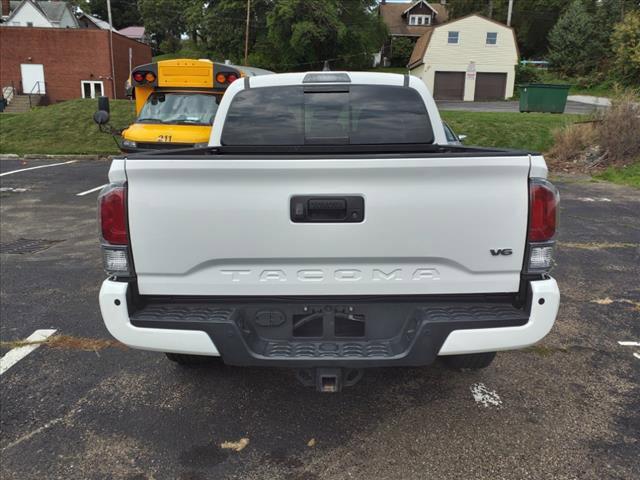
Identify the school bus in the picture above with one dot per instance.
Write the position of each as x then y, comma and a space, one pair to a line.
176, 102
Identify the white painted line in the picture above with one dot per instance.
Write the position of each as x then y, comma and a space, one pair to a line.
597, 199
629, 344
637, 355
485, 397
14, 355
35, 168
89, 191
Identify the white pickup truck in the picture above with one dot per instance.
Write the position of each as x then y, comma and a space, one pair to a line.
329, 227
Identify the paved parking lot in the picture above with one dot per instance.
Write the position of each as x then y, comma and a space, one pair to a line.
85, 409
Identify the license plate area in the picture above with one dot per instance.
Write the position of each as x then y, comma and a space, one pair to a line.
328, 322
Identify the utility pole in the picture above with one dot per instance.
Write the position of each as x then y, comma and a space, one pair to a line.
490, 9
113, 68
509, 12
246, 32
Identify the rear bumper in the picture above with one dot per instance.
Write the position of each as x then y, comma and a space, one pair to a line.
404, 333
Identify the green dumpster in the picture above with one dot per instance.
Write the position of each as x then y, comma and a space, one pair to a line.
543, 97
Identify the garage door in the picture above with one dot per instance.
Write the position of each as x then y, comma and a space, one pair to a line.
449, 86
491, 86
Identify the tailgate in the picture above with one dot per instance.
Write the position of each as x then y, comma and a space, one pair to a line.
223, 226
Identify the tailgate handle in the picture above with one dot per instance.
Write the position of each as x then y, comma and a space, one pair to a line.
328, 209
328, 205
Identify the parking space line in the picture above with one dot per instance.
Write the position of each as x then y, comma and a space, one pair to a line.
626, 343
89, 191
14, 355
35, 168
485, 397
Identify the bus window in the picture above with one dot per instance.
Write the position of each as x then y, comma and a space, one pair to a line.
180, 108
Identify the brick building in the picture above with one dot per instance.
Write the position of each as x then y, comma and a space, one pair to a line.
66, 63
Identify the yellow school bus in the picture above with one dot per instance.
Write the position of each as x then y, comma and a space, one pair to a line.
176, 102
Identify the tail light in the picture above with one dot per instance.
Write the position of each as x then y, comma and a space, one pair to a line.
543, 221
114, 235
144, 77
226, 78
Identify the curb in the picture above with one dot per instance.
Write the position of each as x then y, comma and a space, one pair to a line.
35, 156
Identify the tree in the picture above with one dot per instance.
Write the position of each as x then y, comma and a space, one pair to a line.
222, 27
302, 34
401, 48
123, 12
164, 21
577, 42
625, 43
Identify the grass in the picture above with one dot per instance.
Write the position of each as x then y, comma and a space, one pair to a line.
68, 128
629, 175
62, 128
527, 131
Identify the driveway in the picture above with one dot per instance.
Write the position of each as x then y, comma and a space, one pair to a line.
86, 408
508, 106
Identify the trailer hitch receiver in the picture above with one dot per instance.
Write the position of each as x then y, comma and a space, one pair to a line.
329, 380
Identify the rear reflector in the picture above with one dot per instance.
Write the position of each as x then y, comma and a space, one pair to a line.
116, 261
542, 210
540, 258
113, 216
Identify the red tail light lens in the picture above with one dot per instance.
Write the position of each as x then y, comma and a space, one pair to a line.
543, 210
138, 77
232, 77
113, 216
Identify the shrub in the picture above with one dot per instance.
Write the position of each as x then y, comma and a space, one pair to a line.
619, 127
571, 142
527, 74
611, 138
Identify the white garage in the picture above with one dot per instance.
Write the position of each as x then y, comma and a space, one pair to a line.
472, 58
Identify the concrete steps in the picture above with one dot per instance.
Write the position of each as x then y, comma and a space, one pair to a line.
20, 103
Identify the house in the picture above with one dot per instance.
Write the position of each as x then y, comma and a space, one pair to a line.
89, 21
470, 58
48, 63
37, 13
410, 19
135, 33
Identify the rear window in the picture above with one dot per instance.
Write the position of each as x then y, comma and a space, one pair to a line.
327, 115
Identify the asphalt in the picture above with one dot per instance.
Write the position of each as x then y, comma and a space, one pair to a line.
509, 106
568, 407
